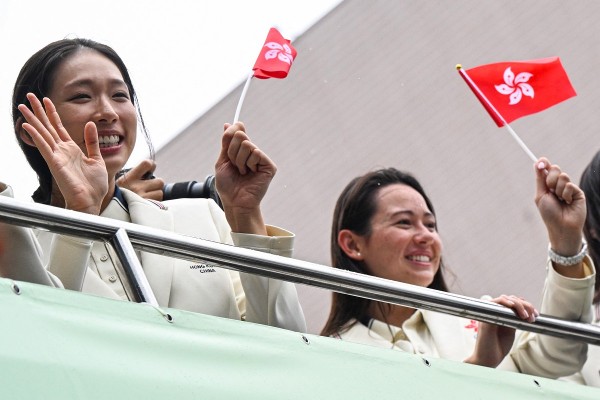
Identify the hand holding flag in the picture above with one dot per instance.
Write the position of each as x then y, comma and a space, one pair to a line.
511, 90
274, 61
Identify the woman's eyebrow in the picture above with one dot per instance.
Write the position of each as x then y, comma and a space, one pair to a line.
411, 213
401, 212
91, 82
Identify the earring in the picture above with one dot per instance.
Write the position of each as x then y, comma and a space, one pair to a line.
358, 253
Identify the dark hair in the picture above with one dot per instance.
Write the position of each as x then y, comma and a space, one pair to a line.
36, 77
590, 184
354, 209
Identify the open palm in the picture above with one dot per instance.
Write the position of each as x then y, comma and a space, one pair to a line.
82, 180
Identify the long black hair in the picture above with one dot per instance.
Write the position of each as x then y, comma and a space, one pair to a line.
354, 210
590, 184
36, 77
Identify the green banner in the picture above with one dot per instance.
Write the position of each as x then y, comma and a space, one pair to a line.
59, 344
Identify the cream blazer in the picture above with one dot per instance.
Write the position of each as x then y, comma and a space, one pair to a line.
80, 264
590, 373
440, 335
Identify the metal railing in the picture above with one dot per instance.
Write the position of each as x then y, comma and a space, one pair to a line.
126, 236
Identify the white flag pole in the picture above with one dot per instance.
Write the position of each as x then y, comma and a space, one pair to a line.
520, 142
491, 107
241, 101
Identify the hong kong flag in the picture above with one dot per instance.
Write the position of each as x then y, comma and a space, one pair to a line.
513, 89
275, 58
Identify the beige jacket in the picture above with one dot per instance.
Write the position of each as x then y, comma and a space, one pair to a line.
590, 373
445, 336
80, 264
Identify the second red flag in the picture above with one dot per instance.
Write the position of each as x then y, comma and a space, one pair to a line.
519, 88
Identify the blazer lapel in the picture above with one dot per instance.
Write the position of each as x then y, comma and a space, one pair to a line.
158, 269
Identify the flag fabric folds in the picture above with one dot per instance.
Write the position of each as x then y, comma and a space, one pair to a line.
275, 58
515, 89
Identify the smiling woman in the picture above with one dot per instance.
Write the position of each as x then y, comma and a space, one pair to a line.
384, 225
70, 82
79, 136
89, 92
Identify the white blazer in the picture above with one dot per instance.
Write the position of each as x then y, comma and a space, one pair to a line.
81, 264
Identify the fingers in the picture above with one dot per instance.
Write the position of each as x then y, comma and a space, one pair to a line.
522, 308
43, 125
41, 114
38, 140
142, 170
144, 187
240, 150
259, 159
550, 178
564, 189
229, 131
38, 132
56, 123
243, 153
136, 180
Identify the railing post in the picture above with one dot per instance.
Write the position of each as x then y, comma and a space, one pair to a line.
133, 269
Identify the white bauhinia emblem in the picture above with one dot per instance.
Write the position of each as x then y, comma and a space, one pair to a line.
282, 52
515, 87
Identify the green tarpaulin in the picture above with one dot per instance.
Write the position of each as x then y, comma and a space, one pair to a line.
59, 344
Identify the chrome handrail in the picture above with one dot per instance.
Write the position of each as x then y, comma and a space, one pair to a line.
133, 269
273, 266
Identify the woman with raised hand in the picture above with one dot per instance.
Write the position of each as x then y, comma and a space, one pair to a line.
76, 117
384, 225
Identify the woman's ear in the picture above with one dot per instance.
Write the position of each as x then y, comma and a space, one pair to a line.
350, 243
25, 137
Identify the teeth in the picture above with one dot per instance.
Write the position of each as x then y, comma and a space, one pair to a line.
107, 141
420, 258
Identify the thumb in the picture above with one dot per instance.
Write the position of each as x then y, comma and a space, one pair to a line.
225, 142
541, 171
92, 145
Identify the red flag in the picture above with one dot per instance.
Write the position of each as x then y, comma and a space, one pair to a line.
518, 88
275, 58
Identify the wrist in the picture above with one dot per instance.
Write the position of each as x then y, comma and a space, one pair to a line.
243, 220
568, 259
93, 210
566, 243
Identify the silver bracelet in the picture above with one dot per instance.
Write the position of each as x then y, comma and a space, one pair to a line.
573, 260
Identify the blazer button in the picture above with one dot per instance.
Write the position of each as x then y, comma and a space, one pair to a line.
103, 257
112, 278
